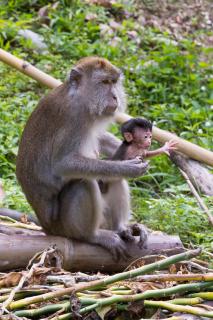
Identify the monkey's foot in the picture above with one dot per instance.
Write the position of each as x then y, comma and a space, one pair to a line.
111, 241
133, 231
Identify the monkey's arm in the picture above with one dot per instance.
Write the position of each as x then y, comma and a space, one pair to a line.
108, 144
80, 167
168, 146
153, 153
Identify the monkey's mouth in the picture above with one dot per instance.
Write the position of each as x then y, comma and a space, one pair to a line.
110, 109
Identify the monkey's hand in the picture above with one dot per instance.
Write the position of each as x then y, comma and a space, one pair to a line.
169, 146
135, 167
133, 231
112, 242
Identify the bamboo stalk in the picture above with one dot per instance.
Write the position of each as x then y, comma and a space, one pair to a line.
179, 308
34, 313
52, 308
198, 198
28, 69
108, 280
176, 277
140, 296
186, 301
186, 147
203, 295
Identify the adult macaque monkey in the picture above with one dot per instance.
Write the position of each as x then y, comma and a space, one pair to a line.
58, 165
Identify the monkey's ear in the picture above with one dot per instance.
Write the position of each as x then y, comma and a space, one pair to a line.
75, 76
128, 136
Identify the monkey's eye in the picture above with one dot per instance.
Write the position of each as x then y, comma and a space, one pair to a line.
106, 81
146, 137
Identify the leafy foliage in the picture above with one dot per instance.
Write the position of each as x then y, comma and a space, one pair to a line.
167, 80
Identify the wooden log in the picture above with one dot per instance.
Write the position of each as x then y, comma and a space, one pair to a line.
186, 147
17, 249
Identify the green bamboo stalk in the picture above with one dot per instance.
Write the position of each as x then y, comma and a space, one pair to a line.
178, 308
23, 294
106, 281
159, 265
177, 277
52, 308
203, 295
186, 301
140, 296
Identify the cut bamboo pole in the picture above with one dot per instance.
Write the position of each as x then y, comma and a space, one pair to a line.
186, 147
28, 69
17, 249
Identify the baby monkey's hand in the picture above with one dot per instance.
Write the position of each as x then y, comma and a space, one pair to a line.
169, 146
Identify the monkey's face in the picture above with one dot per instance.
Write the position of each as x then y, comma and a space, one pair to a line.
142, 138
106, 93
97, 86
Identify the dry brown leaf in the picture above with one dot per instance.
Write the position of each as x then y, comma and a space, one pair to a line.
135, 310
40, 275
24, 219
11, 279
102, 3
172, 268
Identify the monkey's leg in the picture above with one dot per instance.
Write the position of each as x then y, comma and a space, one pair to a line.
118, 213
81, 214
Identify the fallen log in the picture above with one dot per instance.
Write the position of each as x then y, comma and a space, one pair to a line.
186, 147
18, 248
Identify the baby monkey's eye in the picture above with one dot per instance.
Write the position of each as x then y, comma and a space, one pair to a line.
146, 137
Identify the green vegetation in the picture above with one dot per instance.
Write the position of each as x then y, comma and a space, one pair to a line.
168, 80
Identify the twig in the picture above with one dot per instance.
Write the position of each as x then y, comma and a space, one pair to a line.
198, 198
108, 280
25, 277
198, 266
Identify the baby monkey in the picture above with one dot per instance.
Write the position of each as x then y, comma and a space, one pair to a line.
137, 138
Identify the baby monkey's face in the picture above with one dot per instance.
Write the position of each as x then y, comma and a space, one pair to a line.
141, 137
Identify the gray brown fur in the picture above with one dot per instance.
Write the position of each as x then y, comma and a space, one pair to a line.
58, 164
